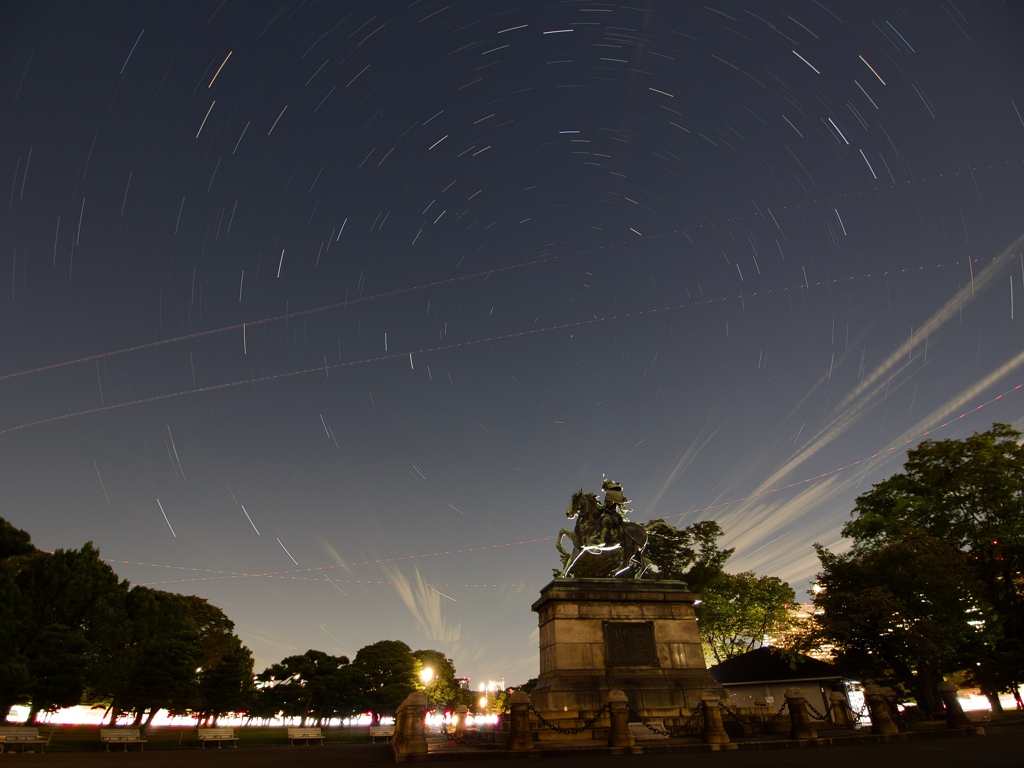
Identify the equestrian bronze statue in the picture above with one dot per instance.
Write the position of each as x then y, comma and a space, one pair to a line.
603, 527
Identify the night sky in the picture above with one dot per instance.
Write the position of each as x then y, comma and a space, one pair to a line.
322, 310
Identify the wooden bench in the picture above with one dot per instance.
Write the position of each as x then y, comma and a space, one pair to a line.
218, 735
23, 737
122, 736
305, 734
386, 731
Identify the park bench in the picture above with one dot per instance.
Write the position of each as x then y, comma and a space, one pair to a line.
305, 734
218, 735
122, 736
387, 731
23, 737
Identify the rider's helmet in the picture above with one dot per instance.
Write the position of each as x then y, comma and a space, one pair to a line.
613, 495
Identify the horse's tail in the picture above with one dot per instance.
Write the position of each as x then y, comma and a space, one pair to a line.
660, 527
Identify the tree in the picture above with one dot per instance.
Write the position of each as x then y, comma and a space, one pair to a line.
390, 669
740, 612
226, 685
690, 555
969, 494
442, 689
15, 680
905, 612
158, 663
314, 684
74, 595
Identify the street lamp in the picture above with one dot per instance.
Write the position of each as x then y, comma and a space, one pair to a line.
426, 675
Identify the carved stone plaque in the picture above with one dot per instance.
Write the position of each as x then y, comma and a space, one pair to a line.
630, 644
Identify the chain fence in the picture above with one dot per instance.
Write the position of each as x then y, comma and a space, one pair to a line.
587, 725
746, 724
815, 713
686, 728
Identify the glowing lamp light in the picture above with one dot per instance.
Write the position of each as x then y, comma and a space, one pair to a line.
426, 675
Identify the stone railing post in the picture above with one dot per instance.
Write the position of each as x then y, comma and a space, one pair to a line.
892, 701
955, 717
800, 722
460, 722
881, 720
519, 738
840, 709
409, 741
620, 735
714, 731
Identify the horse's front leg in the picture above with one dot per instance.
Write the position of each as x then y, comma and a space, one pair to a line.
558, 543
577, 552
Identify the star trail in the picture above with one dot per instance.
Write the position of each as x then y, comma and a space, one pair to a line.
295, 289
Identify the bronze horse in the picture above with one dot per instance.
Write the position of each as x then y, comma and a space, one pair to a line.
589, 536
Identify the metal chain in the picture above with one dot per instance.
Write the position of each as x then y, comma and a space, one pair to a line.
784, 705
747, 726
815, 713
669, 730
569, 731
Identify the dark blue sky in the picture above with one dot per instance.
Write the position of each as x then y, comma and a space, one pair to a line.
288, 287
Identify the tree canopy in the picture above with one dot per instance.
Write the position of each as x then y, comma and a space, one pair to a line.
69, 629
933, 583
742, 611
391, 671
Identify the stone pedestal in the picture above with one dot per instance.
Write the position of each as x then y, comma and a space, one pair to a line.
714, 729
410, 742
618, 710
800, 721
599, 635
881, 720
955, 717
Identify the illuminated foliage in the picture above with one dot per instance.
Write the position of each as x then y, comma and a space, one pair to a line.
740, 612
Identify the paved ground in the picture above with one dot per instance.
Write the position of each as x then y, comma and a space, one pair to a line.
1001, 746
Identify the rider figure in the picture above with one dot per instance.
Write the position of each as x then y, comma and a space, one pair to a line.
613, 510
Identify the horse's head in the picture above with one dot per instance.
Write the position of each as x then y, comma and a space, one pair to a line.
583, 503
575, 503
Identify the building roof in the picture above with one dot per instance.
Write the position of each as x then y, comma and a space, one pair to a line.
764, 665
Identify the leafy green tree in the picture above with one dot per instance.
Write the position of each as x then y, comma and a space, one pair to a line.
58, 668
158, 663
903, 612
15, 680
314, 684
690, 555
740, 612
225, 686
215, 630
391, 671
969, 494
71, 594
442, 689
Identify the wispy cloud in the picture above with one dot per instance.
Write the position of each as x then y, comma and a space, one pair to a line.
424, 603
763, 531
